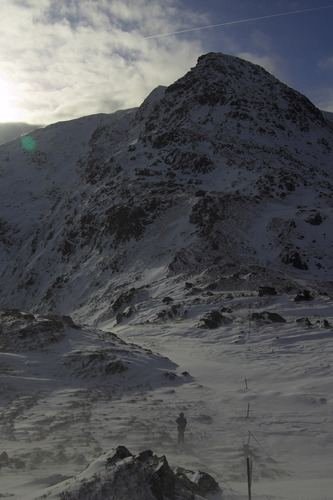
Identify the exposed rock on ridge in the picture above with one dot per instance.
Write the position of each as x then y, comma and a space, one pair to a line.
123, 475
226, 167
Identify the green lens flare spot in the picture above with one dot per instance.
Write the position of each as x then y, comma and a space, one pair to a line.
28, 143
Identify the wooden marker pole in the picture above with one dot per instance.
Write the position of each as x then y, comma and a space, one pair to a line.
249, 474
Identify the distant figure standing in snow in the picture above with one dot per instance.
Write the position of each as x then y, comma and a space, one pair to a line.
181, 424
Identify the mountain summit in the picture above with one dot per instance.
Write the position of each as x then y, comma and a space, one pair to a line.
224, 174
227, 90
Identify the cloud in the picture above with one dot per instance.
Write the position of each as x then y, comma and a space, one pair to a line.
326, 63
260, 51
261, 40
322, 98
70, 58
272, 63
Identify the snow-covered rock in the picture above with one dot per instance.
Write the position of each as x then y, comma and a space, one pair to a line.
118, 475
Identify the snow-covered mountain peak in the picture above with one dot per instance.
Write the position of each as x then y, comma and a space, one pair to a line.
227, 90
225, 167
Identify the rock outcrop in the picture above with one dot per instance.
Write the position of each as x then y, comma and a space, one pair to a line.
119, 475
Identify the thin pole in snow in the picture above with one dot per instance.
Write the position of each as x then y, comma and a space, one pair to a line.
249, 476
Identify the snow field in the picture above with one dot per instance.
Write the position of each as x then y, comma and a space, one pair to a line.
268, 386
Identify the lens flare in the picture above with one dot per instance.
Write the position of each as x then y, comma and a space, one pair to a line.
28, 143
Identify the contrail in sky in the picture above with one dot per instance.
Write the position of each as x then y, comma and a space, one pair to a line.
239, 21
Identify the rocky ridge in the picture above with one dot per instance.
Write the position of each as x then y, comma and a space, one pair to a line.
123, 475
225, 170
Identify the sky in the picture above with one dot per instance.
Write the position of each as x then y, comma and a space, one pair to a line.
63, 59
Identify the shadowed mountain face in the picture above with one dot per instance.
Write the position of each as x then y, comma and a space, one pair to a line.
225, 176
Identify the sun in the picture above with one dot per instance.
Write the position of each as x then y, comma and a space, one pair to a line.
8, 111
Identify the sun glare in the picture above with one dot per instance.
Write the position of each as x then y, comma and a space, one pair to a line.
8, 112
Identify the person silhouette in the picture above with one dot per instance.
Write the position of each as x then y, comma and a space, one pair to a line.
181, 424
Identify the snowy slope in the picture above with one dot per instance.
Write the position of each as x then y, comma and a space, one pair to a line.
197, 226
225, 167
61, 387
282, 368
259, 383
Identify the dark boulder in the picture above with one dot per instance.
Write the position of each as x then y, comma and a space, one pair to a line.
163, 482
303, 295
315, 219
120, 453
304, 322
4, 459
266, 290
214, 319
295, 260
268, 317
206, 483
